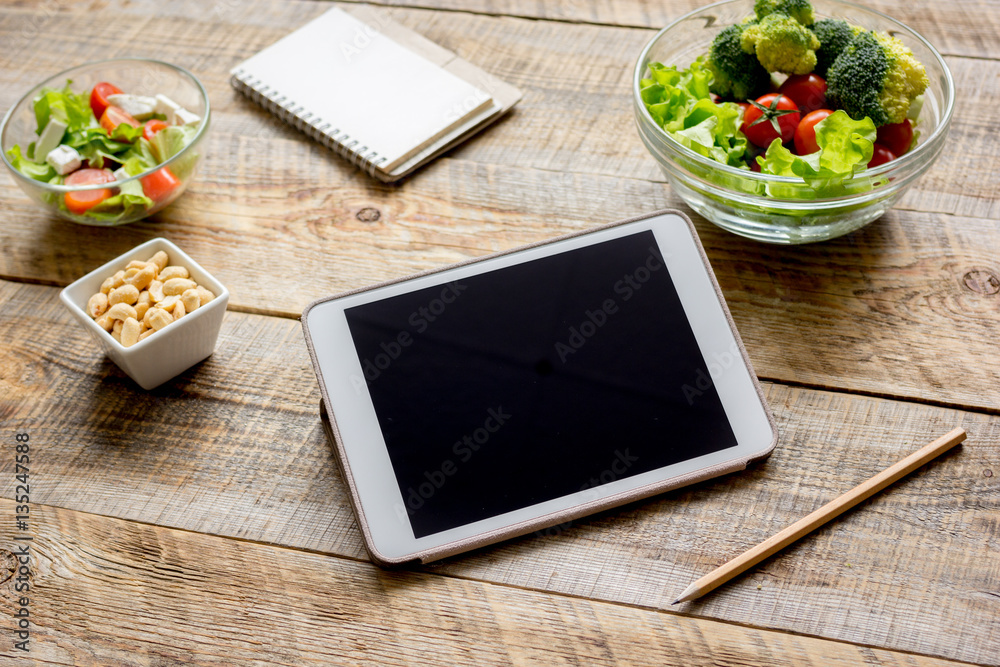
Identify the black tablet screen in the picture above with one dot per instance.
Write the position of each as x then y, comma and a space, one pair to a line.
535, 381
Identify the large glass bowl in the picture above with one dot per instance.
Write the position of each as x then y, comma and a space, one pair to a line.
139, 76
780, 209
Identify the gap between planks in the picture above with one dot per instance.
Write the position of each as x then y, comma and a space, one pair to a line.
490, 582
816, 386
551, 19
951, 405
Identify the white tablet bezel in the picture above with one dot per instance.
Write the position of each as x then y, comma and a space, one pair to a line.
375, 491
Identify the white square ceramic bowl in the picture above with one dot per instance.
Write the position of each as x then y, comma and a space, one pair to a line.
170, 351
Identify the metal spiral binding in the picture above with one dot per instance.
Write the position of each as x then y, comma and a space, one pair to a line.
313, 126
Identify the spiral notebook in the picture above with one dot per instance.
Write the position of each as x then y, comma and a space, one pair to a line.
375, 92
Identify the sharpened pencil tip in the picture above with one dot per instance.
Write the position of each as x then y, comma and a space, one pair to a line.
690, 593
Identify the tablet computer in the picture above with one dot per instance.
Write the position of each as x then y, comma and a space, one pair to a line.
515, 392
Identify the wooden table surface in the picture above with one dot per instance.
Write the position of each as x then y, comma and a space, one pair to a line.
206, 522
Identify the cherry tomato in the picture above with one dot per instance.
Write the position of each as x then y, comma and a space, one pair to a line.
897, 137
881, 155
805, 133
770, 117
99, 97
82, 201
114, 116
151, 127
808, 91
159, 185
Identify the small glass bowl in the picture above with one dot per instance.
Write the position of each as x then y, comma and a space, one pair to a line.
736, 199
138, 76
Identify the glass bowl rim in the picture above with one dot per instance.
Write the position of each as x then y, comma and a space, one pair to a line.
65, 74
889, 167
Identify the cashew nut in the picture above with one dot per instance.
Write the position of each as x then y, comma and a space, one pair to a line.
156, 291
97, 305
173, 272
204, 295
191, 300
130, 332
143, 277
177, 286
121, 311
160, 259
124, 294
158, 318
146, 296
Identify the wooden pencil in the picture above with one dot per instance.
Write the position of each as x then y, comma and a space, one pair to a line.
829, 511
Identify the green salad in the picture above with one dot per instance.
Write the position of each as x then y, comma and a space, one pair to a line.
786, 95
105, 136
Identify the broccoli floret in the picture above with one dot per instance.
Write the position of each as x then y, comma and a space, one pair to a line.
876, 76
782, 44
735, 72
834, 35
800, 10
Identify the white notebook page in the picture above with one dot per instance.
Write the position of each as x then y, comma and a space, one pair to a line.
373, 90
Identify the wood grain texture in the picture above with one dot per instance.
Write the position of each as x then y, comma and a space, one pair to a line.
106, 591
234, 447
274, 571
579, 122
966, 27
828, 512
281, 221
969, 28
870, 312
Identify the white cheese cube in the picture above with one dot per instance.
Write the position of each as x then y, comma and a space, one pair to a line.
139, 106
166, 106
51, 137
120, 174
184, 117
64, 159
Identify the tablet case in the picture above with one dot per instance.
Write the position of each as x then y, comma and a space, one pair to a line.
555, 518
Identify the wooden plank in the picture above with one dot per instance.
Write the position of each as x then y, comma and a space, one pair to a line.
106, 591
234, 447
966, 27
576, 119
820, 517
870, 312
281, 221
962, 28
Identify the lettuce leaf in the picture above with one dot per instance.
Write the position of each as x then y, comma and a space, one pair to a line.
170, 141
138, 158
69, 107
125, 145
695, 80
129, 201
846, 146
94, 145
92, 142
700, 138
704, 139
679, 101
726, 130
126, 133
39, 172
